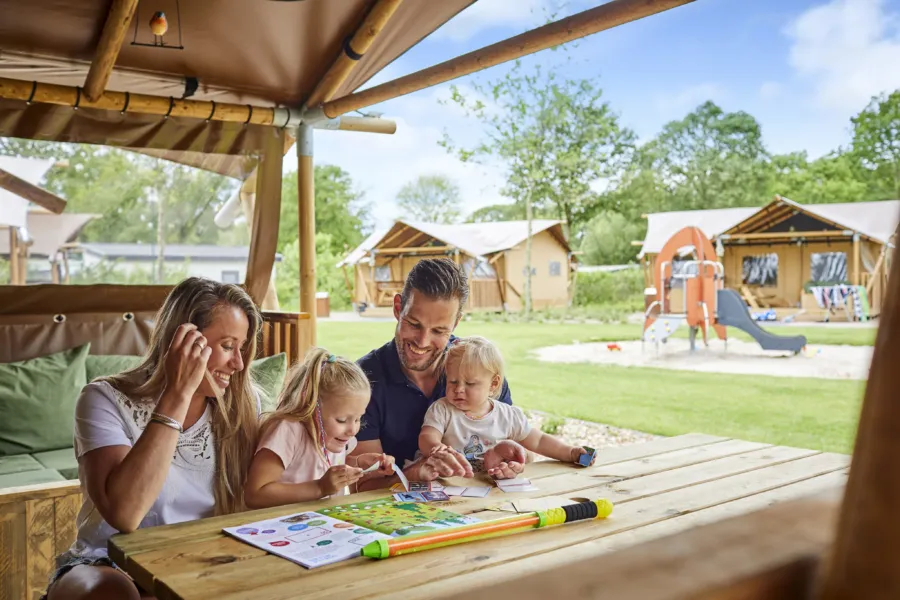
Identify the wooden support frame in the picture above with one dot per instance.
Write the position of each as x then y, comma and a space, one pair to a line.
352, 50
855, 273
600, 18
117, 22
786, 235
266, 214
389, 240
31, 192
417, 250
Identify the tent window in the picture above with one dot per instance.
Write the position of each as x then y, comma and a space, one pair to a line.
828, 267
383, 273
480, 270
761, 269
555, 268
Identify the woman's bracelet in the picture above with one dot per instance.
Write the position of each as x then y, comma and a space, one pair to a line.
167, 421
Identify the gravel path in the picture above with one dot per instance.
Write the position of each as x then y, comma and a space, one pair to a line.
586, 433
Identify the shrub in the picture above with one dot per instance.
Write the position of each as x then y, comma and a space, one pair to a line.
619, 288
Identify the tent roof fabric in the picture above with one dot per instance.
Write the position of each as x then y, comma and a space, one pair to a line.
258, 52
474, 239
49, 231
876, 220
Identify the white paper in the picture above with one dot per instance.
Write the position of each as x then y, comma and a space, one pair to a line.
454, 490
309, 539
372, 468
516, 485
474, 492
402, 477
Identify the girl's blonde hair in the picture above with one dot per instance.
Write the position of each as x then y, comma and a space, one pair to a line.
234, 419
319, 376
476, 351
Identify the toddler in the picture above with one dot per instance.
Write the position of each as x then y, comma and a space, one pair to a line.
304, 443
469, 419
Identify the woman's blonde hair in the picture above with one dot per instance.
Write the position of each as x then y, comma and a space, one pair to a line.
235, 421
318, 377
479, 352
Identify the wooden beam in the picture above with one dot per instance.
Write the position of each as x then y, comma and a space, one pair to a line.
416, 250
49, 299
605, 16
864, 561
787, 235
13, 256
876, 272
357, 45
396, 235
306, 221
855, 273
117, 21
31, 192
65, 95
362, 124
264, 237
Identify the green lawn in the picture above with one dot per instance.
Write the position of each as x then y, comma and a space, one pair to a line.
808, 413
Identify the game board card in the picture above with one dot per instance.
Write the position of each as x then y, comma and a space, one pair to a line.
402, 477
419, 486
410, 497
454, 490
435, 496
475, 492
585, 459
516, 485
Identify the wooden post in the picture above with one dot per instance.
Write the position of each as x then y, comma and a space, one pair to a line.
13, 256
307, 226
600, 18
31, 192
266, 214
359, 44
111, 39
863, 563
855, 275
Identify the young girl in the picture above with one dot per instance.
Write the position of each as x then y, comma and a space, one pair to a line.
470, 421
303, 448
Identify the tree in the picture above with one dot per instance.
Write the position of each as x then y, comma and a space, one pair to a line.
497, 212
340, 211
711, 159
833, 178
430, 198
608, 237
876, 144
555, 137
328, 277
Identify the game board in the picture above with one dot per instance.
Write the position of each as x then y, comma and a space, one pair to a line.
397, 519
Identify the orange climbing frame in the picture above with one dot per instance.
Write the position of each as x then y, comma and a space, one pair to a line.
699, 290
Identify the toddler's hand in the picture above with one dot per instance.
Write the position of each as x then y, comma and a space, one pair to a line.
577, 451
337, 478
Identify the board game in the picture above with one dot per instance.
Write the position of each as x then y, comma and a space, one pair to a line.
310, 539
395, 519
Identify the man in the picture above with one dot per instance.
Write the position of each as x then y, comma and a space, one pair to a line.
407, 377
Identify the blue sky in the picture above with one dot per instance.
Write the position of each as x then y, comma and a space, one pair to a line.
801, 67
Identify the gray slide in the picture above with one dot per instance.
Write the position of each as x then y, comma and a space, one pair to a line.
732, 312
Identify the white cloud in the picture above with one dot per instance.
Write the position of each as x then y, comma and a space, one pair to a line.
849, 49
486, 14
690, 98
770, 90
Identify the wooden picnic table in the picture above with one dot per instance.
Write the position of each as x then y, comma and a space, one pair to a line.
659, 488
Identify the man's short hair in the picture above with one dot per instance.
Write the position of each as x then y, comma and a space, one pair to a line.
436, 278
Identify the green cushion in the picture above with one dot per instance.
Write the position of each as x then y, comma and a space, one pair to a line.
30, 478
111, 364
63, 461
37, 399
268, 375
18, 464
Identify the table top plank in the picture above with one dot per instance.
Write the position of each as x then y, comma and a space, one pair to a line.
744, 493
643, 502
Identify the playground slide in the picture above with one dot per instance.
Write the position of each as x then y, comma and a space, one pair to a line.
732, 312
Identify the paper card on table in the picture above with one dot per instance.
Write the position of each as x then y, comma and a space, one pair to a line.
372, 468
534, 504
410, 497
454, 490
436, 496
516, 485
475, 492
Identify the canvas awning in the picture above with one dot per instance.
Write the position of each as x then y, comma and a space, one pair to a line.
48, 231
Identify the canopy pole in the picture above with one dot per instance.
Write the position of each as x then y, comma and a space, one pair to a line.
600, 18
117, 21
353, 50
307, 226
31, 192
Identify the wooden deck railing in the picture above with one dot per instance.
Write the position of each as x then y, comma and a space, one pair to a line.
285, 332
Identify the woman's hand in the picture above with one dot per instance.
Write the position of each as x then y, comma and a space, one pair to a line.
185, 361
337, 478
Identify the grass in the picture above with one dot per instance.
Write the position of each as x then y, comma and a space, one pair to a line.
808, 413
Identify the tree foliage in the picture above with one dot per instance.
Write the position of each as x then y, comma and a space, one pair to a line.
431, 198
876, 144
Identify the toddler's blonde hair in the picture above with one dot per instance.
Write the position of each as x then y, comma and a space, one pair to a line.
478, 352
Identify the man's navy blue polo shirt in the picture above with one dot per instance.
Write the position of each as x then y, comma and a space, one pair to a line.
397, 408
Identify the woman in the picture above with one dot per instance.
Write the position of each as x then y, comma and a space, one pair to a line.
154, 444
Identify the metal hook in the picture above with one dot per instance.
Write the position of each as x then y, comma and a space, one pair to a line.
77, 98
171, 106
249, 116
33, 90
212, 112
127, 100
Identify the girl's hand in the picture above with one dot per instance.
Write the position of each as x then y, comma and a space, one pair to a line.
385, 462
185, 361
337, 478
577, 451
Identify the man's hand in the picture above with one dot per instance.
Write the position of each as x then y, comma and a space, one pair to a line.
443, 462
505, 460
